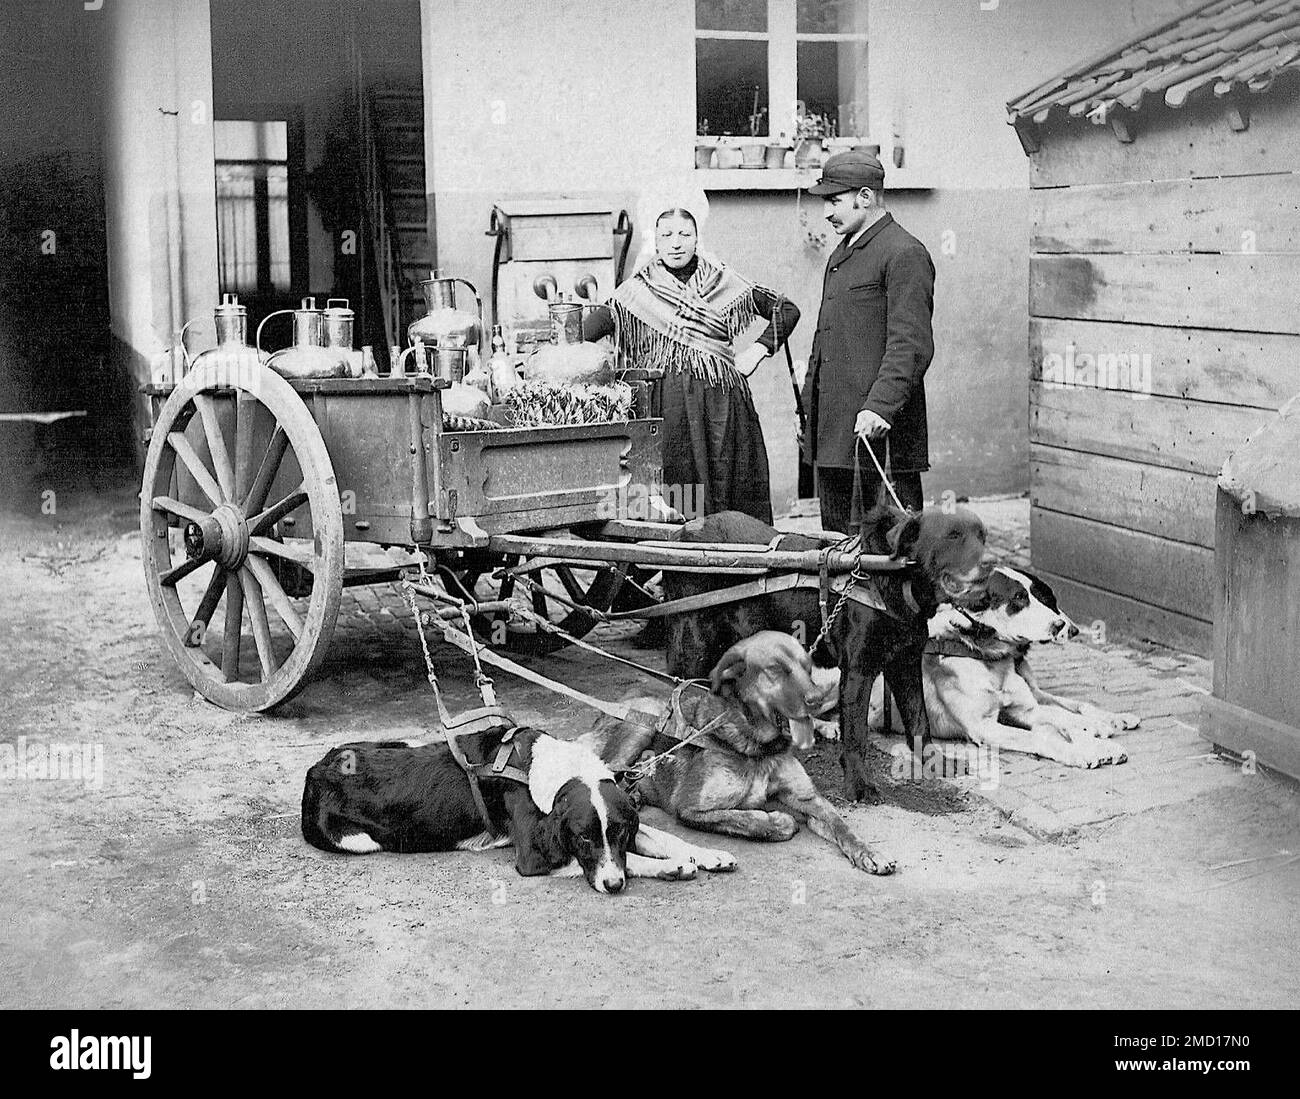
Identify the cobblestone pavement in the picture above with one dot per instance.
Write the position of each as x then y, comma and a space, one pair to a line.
1168, 761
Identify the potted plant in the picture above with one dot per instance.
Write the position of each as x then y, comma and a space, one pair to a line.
776, 152
703, 149
752, 154
812, 130
729, 155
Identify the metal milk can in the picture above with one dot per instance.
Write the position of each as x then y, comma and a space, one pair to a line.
446, 326
232, 356
339, 321
308, 357
567, 360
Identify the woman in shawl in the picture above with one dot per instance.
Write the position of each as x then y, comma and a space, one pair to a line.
680, 315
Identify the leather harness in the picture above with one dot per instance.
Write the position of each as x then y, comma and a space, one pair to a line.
482, 720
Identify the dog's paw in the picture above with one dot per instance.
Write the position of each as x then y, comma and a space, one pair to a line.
827, 730
1087, 727
675, 870
1104, 723
780, 826
716, 862
1093, 753
871, 862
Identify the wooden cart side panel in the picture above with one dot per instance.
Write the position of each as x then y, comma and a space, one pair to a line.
526, 478
368, 436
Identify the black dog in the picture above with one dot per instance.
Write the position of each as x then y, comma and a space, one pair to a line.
946, 549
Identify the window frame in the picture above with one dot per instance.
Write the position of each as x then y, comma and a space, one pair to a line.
783, 38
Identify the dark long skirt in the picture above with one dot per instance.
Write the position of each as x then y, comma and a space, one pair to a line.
712, 437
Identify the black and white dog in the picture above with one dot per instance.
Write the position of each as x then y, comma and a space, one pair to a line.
570, 817
979, 685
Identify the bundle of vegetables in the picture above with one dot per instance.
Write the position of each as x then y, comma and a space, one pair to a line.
536, 403
451, 422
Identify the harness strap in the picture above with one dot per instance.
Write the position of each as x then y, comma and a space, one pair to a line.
454, 636
866, 593
504, 753
942, 646
482, 720
946, 646
458, 754
501, 767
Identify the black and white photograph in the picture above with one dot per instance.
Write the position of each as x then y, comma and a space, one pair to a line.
651, 504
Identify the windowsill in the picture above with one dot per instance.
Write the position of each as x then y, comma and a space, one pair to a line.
797, 179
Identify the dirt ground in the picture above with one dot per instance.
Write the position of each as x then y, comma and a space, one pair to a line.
183, 880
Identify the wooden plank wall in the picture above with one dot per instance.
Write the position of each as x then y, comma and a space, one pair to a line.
1183, 246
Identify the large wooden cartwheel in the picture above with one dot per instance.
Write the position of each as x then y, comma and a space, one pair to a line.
211, 535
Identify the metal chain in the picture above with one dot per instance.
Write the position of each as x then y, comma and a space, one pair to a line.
854, 578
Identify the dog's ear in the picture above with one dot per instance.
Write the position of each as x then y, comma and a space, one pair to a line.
877, 525
541, 850
903, 535
731, 666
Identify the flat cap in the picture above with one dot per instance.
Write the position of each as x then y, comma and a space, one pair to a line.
849, 171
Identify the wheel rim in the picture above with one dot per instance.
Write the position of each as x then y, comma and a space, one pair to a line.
218, 536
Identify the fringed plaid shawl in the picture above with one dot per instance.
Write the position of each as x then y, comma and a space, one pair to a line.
664, 323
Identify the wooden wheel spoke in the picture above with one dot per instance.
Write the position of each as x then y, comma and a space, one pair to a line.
261, 626
183, 511
216, 446
263, 522
174, 575
245, 425
271, 586
194, 637
571, 586
234, 628
269, 547
266, 471
185, 451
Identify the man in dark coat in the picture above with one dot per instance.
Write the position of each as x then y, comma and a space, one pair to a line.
871, 349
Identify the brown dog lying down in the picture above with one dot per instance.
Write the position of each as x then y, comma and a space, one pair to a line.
760, 709
979, 686
947, 549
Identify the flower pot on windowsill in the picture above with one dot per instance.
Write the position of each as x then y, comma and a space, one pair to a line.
729, 156
751, 155
774, 156
808, 153
703, 156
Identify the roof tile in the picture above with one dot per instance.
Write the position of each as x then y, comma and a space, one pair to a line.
1226, 44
